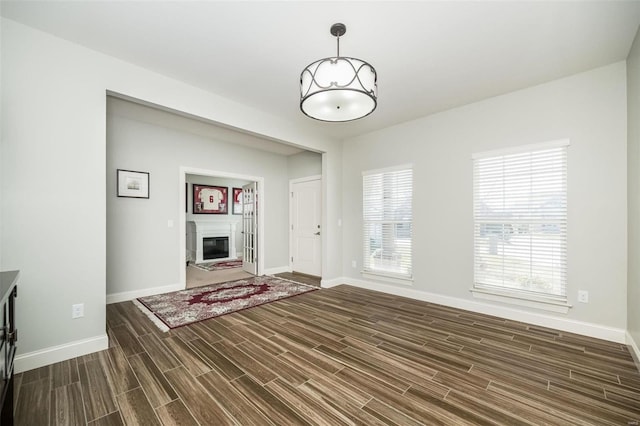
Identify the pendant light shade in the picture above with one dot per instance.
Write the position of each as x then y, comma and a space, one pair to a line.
338, 88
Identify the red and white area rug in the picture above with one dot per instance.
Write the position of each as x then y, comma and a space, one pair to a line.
179, 308
219, 266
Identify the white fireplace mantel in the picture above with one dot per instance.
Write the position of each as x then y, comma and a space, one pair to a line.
197, 230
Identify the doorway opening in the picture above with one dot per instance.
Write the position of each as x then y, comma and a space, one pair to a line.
220, 226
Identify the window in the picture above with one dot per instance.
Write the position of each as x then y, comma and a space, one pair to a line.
520, 222
387, 218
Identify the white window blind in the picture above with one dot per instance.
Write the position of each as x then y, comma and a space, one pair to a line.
387, 218
520, 221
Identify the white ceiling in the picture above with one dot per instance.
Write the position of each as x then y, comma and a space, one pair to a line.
430, 56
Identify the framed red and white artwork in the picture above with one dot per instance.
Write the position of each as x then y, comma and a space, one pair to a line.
208, 199
237, 200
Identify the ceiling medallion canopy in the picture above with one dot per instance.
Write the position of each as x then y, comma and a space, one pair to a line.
339, 88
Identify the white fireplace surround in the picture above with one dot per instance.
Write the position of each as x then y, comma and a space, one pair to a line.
199, 229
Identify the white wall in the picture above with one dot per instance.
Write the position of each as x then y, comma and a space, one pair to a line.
54, 179
227, 218
142, 252
304, 164
2, 180
633, 202
588, 108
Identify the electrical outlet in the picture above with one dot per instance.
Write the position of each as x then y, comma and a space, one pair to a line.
77, 310
583, 296
354, 264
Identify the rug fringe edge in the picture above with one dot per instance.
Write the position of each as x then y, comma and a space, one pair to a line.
154, 319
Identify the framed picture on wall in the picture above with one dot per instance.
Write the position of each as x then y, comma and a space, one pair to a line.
208, 199
237, 200
132, 184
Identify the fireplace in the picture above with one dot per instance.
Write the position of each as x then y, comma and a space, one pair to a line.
216, 239
215, 248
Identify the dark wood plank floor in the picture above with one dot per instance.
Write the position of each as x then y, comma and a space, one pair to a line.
336, 356
301, 278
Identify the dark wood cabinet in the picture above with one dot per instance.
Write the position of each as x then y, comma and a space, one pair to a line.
8, 339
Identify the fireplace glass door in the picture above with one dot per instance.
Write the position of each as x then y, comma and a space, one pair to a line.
215, 248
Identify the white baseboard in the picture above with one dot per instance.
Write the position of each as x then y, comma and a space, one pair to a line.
53, 354
612, 334
634, 349
332, 282
278, 270
134, 294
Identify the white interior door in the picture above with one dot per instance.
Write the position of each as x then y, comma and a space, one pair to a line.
306, 214
250, 228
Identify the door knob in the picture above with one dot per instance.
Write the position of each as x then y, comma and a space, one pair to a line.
317, 233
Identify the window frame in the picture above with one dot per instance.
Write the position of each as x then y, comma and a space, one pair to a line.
535, 299
380, 273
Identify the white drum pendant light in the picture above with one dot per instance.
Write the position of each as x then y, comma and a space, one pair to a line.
339, 88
